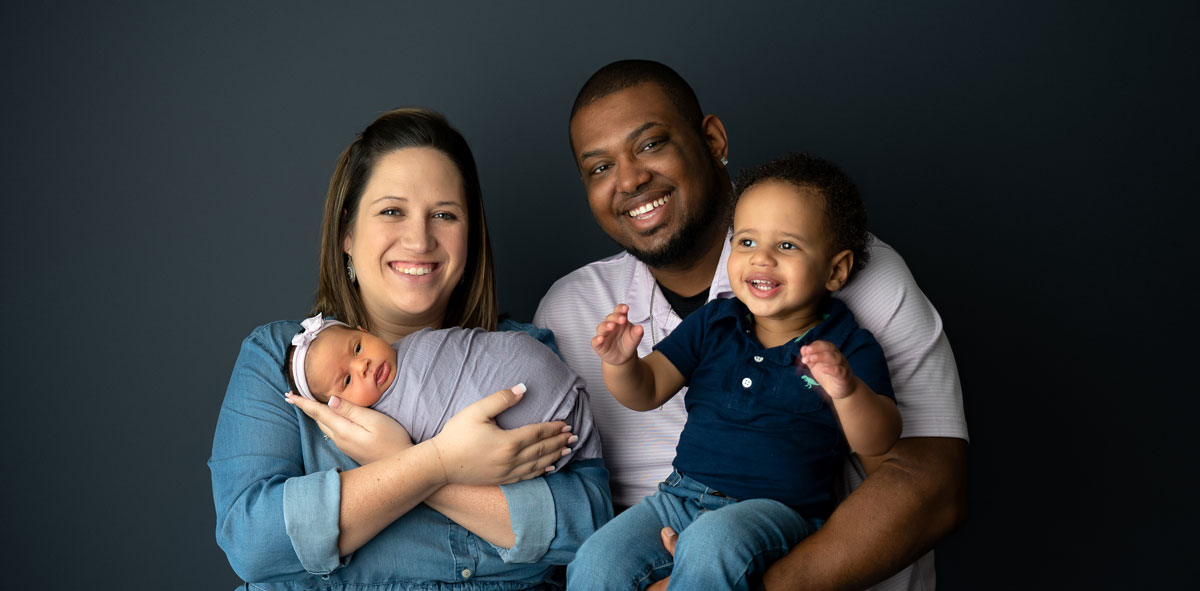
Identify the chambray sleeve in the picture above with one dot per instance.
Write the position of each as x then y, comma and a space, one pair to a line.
553, 515
544, 336
274, 522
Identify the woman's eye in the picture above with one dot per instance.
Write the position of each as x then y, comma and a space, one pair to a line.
445, 215
391, 211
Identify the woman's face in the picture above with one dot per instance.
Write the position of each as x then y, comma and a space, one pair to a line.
409, 239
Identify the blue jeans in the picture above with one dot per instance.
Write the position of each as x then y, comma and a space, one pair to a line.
723, 543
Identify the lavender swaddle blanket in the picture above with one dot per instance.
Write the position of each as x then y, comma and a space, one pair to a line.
440, 372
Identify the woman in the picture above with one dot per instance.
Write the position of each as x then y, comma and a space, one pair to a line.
349, 500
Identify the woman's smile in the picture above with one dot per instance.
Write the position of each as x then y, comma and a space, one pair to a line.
414, 269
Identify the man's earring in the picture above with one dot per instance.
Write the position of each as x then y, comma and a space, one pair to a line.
350, 269
724, 161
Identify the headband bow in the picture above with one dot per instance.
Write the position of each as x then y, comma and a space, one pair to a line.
312, 327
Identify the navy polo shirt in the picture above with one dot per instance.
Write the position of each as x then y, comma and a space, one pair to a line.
757, 426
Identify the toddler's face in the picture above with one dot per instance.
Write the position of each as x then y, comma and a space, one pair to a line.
352, 364
780, 262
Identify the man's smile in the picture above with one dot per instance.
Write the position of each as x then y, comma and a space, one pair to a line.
641, 211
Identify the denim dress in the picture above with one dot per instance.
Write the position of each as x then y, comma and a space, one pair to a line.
277, 491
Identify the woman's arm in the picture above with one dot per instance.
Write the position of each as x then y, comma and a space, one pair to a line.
258, 448
275, 520
482, 510
552, 516
471, 450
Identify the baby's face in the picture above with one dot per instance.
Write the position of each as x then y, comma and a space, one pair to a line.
352, 364
780, 262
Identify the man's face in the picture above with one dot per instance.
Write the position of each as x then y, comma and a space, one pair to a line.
651, 178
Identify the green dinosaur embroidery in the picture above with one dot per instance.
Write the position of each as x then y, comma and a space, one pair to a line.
809, 382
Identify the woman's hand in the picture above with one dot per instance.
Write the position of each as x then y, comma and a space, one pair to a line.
364, 434
474, 450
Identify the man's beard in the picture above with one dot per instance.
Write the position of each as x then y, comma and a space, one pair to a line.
690, 242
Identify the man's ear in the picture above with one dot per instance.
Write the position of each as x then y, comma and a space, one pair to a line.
713, 133
839, 271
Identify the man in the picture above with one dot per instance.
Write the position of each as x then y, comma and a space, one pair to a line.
653, 167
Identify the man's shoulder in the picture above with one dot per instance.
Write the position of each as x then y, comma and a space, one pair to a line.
614, 268
885, 282
597, 284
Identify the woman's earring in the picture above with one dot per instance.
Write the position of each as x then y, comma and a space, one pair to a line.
724, 161
350, 269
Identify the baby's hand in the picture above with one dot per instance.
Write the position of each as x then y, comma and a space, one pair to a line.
830, 368
616, 338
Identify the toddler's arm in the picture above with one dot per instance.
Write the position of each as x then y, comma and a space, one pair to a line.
639, 384
870, 421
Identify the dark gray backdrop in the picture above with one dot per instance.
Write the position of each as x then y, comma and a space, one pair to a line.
164, 166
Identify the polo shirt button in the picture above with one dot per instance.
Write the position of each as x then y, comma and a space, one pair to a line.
758, 359
466, 573
746, 382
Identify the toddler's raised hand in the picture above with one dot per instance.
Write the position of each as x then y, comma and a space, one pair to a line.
617, 338
830, 368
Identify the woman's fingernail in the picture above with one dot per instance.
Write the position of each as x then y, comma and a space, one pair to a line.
549, 468
566, 429
572, 439
519, 389
566, 450
334, 402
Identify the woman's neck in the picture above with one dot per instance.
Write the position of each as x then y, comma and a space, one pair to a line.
392, 328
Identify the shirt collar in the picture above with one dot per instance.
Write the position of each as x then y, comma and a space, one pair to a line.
832, 327
643, 289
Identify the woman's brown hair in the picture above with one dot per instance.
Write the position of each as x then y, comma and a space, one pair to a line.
473, 302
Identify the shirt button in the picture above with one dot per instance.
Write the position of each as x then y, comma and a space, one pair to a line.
466, 573
746, 382
758, 359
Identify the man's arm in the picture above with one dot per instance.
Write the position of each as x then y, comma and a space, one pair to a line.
913, 496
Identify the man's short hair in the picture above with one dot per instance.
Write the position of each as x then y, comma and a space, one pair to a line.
623, 74
845, 213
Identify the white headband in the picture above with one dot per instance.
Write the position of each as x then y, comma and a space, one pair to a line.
312, 327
